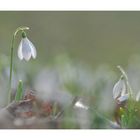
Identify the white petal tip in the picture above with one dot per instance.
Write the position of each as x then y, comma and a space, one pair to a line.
27, 59
123, 98
138, 96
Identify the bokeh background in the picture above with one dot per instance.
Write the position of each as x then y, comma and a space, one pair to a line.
77, 55
92, 37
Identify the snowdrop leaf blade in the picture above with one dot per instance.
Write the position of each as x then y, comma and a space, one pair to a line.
19, 93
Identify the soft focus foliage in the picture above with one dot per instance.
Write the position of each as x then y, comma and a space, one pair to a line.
65, 80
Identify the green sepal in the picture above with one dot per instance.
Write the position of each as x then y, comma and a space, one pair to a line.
23, 34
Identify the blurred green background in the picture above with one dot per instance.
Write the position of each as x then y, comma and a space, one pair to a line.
91, 37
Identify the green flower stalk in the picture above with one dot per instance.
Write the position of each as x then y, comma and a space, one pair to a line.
25, 50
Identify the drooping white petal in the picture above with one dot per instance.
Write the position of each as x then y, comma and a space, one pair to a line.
114, 124
138, 96
26, 50
33, 50
123, 98
124, 90
119, 88
20, 51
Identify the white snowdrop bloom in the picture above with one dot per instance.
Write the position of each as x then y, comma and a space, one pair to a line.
123, 98
119, 88
26, 49
138, 96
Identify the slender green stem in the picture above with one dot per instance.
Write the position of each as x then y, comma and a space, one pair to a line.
11, 66
11, 59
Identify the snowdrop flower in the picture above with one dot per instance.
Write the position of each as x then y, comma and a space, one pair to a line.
26, 49
120, 90
123, 98
138, 96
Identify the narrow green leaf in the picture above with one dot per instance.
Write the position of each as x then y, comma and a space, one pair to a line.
19, 93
